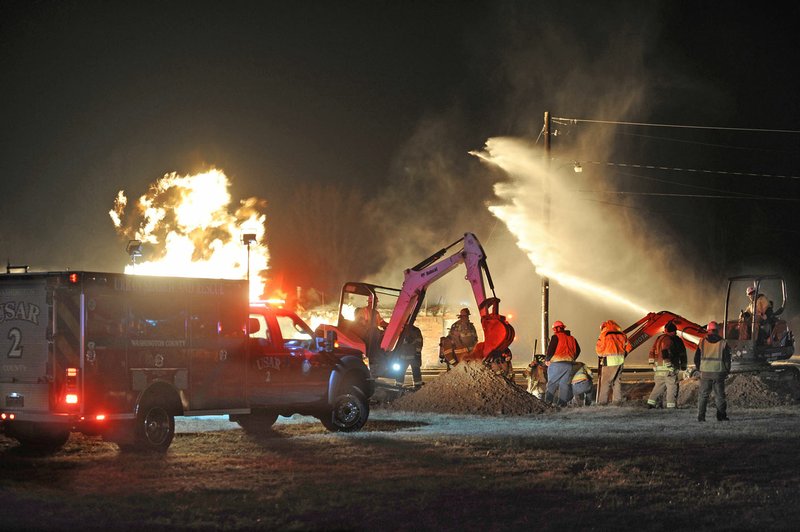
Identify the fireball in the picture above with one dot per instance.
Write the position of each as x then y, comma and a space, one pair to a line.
189, 230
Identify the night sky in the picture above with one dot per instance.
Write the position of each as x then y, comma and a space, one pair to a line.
381, 103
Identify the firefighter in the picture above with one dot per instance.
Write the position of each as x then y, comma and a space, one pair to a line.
536, 374
668, 357
581, 384
713, 360
612, 348
463, 334
562, 351
411, 355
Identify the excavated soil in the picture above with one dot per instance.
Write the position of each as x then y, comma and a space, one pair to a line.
471, 388
747, 391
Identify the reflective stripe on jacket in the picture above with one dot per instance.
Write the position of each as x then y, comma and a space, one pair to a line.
581, 373
662, 343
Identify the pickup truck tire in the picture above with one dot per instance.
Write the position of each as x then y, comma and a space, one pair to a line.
258, 422
154, 429
348, 413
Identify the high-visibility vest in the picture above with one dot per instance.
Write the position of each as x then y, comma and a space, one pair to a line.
566, 349
581, 374
711, 356
612, 345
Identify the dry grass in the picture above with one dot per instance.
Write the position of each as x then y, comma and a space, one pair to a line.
404, 474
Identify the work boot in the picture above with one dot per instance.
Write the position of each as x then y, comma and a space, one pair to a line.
701, 417
722, 417
587, 401
548, 398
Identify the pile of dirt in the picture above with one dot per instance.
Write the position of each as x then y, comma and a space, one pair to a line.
471, 388
747, 391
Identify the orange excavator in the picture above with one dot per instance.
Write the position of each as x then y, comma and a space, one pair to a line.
360, 325
755, 342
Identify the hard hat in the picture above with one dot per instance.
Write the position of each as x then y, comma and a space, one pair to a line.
464, 312
712, 326
558, 325
750, 290
670, 327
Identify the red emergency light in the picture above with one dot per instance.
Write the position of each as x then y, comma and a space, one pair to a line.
5, 416
74, 278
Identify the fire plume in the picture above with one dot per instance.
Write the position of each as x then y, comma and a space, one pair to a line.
188, 229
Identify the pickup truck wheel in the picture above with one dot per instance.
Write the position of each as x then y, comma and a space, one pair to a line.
348, 413
154, 430
257, 423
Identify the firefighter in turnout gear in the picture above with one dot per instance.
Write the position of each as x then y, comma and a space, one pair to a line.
612, 348
713, 359
562, 351
582, 384
463, 335
668, 357
411, 355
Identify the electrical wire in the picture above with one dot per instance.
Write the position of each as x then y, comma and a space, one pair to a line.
677, 195
691, 170
567, 121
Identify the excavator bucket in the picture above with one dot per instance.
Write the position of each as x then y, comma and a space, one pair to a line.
498, 335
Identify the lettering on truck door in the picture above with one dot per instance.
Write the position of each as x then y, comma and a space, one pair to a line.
24, 369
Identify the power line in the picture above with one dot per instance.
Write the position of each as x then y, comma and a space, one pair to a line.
690, 170
567, 121
675, 194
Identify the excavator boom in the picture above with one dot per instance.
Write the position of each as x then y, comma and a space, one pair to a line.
653, 323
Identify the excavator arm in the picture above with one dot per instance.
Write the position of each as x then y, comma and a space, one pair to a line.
498, 333
653, 323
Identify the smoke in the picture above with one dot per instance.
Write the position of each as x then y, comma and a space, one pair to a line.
607, 258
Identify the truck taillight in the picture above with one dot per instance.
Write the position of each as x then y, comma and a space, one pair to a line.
5, 416
71, 397
74, 278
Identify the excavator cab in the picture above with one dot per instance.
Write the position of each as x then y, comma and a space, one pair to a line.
754, 327
361, 324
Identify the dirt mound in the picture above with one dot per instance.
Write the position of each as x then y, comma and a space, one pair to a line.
471, 388
747, 391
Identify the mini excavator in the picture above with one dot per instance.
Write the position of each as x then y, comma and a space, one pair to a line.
360, 325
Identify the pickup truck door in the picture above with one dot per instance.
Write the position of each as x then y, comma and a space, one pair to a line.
282, 372
307, 370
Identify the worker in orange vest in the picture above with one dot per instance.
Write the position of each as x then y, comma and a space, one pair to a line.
562, 351
612, 348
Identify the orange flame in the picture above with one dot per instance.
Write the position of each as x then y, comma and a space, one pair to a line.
189, 231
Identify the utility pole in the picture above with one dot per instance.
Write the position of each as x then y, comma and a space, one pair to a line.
546, 225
